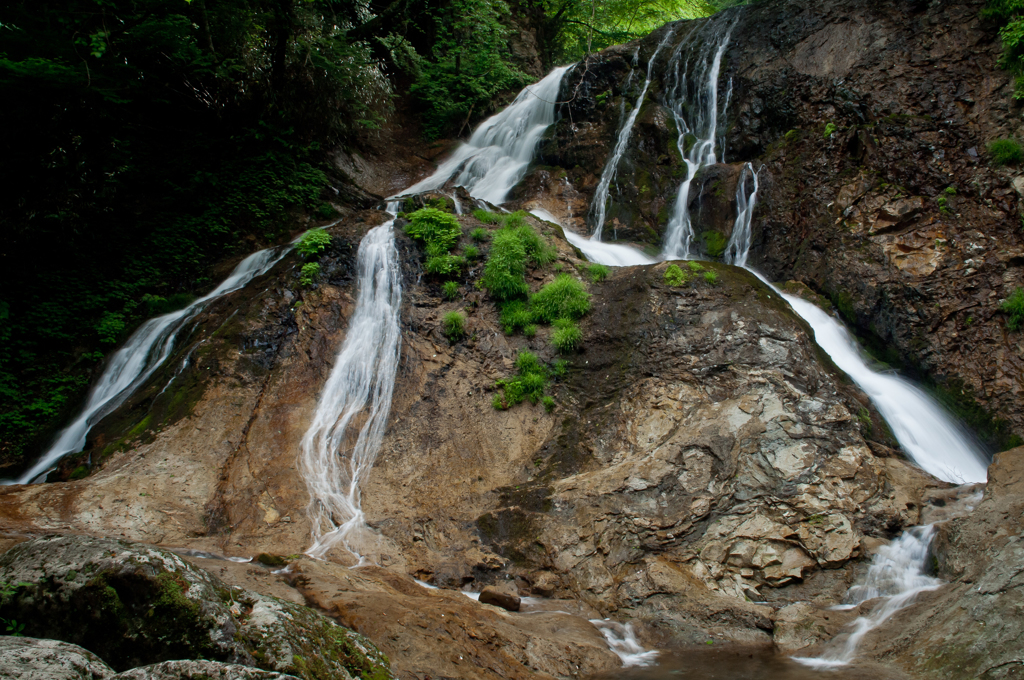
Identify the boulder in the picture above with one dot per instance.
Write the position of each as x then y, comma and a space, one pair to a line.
499, 598
144, 605
199, 670
28, 658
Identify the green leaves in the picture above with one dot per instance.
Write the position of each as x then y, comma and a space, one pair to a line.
313, 242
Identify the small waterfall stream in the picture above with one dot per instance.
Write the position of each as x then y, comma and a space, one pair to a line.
599, 206
497, 155
358, 394
334, 460
130, 366
693, 99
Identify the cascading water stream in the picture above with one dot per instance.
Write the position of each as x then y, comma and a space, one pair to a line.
334, 459
358, 393
738, 248
599, 206
929, 435
696, 115
129, 367
897, 574
497, 155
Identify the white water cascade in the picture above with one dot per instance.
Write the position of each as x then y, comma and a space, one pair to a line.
738, 248
497, 155
930, 436
621, 639
358, 394
335, 459
897, 574
129, 367
599, 206
696, 112
611, 254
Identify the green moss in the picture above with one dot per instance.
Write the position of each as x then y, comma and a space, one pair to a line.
271, 560
674, 276
715, 243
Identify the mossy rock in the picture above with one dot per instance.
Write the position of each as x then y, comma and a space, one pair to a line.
134, 605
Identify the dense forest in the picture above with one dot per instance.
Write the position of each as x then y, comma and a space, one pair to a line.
148, 140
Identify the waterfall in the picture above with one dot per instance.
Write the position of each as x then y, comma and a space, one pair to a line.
897, 573
738, 248
621, 639
129, 367
930, 436
334, 459
358, 393
696, 115
600, 204
611, 254
497, 155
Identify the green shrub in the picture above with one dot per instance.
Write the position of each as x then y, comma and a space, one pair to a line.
830, 129
514, 220
326, 211
454, 326
504, 273
441, 203
597, 272
715, 243
529, 384
561, 368
1005, 152
515, 315
530, 330
565, 297
674, 276
539, 252
310, 272
711, 277
444, 265
439, 230
313, 242
695, 266
480, 235
1014, 306
471, 252
450, 290
567, 336
549, 403
950, 191
110, 327
487, 217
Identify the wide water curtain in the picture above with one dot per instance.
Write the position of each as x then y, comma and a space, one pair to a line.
342, 443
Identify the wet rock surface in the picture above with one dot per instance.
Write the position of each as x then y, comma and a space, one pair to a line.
144, 605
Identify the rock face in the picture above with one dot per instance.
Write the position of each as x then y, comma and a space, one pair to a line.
867, 122
145, 605
702, 455
973, 627
25, 658
704, 471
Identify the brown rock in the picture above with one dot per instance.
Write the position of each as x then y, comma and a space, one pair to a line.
499, 598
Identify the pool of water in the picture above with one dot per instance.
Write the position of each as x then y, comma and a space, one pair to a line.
738, 663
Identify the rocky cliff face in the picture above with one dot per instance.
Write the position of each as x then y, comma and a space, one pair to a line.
868, 124
703, 454
705, 472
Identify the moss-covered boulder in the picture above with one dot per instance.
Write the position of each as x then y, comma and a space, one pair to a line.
199, 670
25, 657
134, 605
